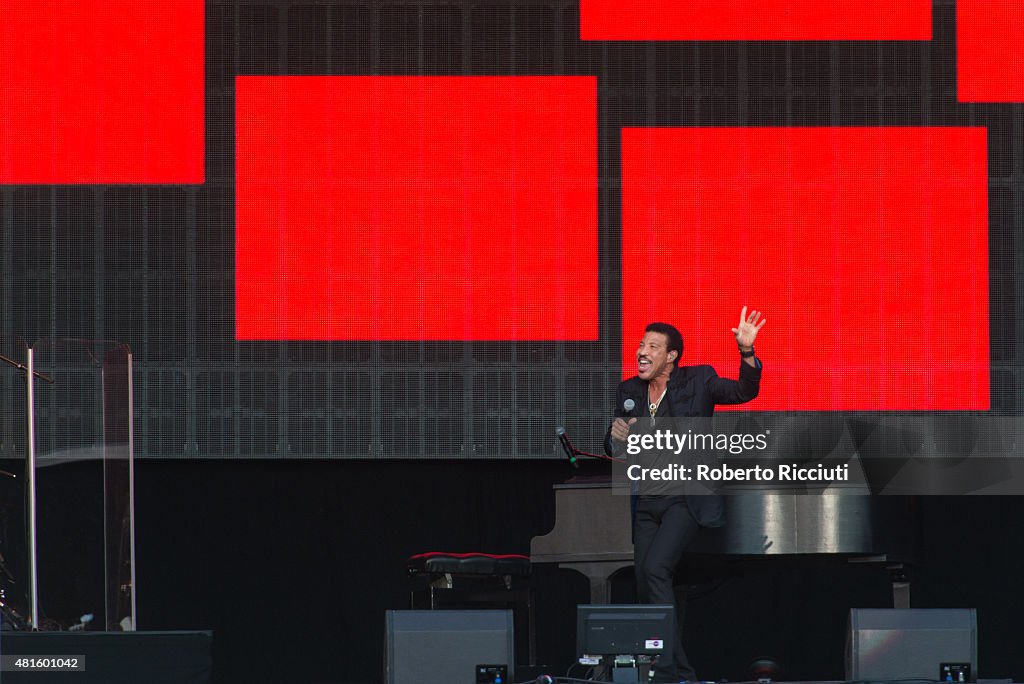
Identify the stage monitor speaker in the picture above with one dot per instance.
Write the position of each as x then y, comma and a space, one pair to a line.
910, 643
445, 646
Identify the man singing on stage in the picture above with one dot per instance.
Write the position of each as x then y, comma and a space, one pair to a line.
664, 525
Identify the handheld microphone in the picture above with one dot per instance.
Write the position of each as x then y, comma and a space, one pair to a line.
628, 406
567, 446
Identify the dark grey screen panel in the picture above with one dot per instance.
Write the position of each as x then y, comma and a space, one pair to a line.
445, 646
909, 643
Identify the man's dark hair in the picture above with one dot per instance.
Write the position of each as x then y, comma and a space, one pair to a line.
675, 339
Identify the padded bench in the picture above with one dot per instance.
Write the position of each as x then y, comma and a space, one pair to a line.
477, 580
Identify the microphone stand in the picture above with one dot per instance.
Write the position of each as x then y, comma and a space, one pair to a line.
572, 452
24, 369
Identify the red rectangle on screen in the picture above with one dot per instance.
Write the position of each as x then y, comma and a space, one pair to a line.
101, 92
416, 208
756, 20
990, 50
866, 249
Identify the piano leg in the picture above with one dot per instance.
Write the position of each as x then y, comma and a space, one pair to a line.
900, 586
599, 574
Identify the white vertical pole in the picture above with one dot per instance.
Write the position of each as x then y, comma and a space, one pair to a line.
33, 614
131, 483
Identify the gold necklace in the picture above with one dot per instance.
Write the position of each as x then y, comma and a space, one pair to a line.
653, 406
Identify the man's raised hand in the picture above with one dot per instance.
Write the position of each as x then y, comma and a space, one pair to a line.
746, 331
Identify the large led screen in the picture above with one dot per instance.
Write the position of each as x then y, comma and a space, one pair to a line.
349, 229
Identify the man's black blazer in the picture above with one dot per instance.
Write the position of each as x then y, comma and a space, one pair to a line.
693, 391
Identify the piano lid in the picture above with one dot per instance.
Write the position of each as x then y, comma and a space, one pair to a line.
593, 524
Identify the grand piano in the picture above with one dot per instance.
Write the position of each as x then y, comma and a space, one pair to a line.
592, 533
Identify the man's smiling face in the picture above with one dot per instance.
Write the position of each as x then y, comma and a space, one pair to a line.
653, 357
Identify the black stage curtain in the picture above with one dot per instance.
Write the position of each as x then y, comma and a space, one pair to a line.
293, 563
